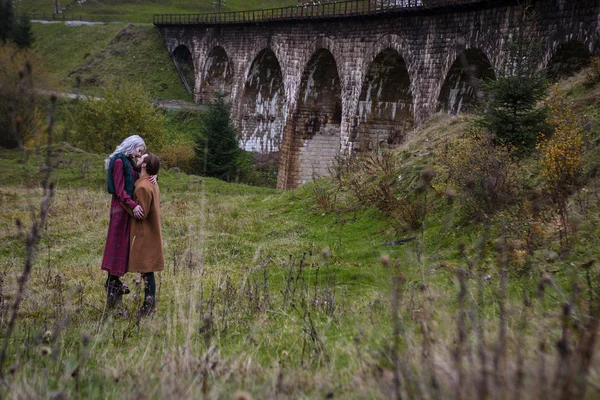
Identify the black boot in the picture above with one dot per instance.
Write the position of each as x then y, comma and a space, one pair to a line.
114, 295
115, 289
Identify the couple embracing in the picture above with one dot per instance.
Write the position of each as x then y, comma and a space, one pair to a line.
134, 240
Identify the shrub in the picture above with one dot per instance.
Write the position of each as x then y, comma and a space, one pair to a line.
483, 175
560, 156
593, 71
17, 97
100, 125
379, 180
180, 154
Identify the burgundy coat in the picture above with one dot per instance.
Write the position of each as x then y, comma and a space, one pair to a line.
116, 251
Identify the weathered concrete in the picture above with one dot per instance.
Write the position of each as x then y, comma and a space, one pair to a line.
309, 90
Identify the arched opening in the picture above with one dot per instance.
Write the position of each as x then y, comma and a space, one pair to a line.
263, 112
385, 108
185, 67
317, 120
263, 105
320, 104
570, 58
217, 75
461, 87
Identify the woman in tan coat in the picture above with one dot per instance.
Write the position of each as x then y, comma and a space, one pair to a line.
145, 235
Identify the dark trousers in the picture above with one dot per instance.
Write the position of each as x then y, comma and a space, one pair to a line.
149, 288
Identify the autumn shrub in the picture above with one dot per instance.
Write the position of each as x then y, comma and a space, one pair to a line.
593, 71
380, 180
560, 155
325, 197
179, 154
20, 73
101, 124
483, 175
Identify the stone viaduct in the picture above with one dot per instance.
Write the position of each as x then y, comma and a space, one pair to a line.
309, 83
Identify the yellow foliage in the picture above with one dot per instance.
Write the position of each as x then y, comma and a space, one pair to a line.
561, 154
20, 74
482, 174
593, 71
39, 136
178, 155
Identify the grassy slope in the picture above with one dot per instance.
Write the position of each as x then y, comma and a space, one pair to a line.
142, 10
105, 54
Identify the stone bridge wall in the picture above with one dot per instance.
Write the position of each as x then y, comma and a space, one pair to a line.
306, 91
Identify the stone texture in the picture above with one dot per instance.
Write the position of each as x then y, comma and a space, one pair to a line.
312, 89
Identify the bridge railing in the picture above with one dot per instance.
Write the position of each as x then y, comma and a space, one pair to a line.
311, 11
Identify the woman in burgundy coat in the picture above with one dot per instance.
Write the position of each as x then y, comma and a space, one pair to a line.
120, 183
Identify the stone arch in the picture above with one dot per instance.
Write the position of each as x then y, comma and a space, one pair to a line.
184, 62
394, 42
385, 107
313, 135
217, 74
320, 90
570, 35
569, 58
460, 89
263, 105
321, 43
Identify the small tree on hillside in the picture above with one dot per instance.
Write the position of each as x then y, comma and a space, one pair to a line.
22, 35
217, 144
512, 113
7, 20
13, 29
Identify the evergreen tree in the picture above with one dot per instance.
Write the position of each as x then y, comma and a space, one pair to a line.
7, 20
22, 35
16, 30
217, 144
512, 113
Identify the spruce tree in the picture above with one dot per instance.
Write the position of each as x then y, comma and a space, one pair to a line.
22, 35
7, 20
217, 144
512, 112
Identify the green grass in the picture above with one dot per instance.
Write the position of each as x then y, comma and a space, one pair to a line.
104, 54
143, 10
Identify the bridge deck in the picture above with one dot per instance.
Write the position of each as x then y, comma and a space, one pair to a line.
316, 11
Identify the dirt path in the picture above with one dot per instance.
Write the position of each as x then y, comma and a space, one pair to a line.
166, 104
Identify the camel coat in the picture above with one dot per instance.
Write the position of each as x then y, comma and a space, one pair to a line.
145, 235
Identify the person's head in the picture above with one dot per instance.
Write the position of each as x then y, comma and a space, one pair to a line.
133, 146
151, 163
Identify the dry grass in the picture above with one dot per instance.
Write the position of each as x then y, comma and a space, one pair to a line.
221, 327
264, 296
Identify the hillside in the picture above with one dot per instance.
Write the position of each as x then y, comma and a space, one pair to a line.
108, 53
142, 10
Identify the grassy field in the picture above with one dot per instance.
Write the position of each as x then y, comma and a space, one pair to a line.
267, 294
